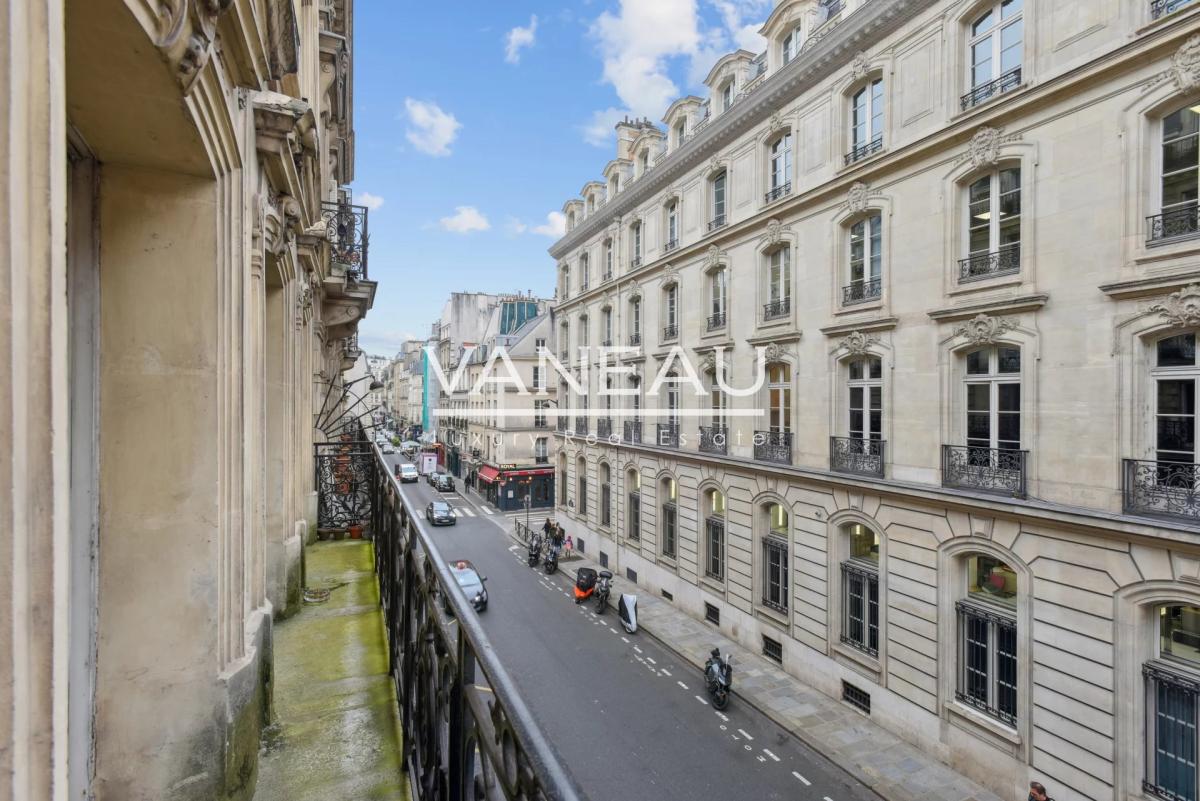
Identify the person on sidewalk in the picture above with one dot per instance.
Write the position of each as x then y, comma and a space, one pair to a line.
1037, 792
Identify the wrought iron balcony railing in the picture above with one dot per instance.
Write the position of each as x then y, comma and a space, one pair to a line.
668, 435
635, 262
861, 291
604, 428
581, 426
994, 470
716, 321
783, 190
1005, 83
1180, 222
1160, 8
348, 236
635, 340
977, 267
716, 222
773, 446
670, 245
867, 149
462, 715
777, 308
1167, 489
714, 439
670, 331
633, 431
857, 455
608, 276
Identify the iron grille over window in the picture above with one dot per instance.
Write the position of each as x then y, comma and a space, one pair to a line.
860, 607
856, 455
668, 435
773, 446
775, 573
670, 331
714, 541
1162, 488
1005, 83
716, 321
856, 697
987, 661
862, 291
1160, 8
717, 222
1171, 741
670, 518
634, 524
772, 649
604, 428
712, 614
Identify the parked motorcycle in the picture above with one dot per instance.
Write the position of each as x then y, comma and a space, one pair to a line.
718, 678
585, 584
603, 587
535, 551
550, 562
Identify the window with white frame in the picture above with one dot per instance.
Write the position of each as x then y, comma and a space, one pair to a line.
635, 399
727, 96
1172, 683
581, 491
570, 220
671, 311
791, 45
564, 338
584, 338
718, 292
860, 589
987, 638
718, 402
993, 226
539, 413
608, 259
1180, 176
606, 320
680, 132
672, 225
644, 162
605, 496
633, 506
584, 272
539, 378
566, 280
866, 121
775, 558
993, 398
779, 397
714, 534
635, 244
669, 531
864, 395
779, 167
995, 49
635, 322
866, 261
718, 200
779, 284
1175, 376
541, 452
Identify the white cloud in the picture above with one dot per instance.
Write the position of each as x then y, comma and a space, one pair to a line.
598, 130
555, 227
744, 34
518, 39
465, 220
431, 130
372, 202
515, 226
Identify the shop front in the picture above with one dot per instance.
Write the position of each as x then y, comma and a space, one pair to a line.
505, 486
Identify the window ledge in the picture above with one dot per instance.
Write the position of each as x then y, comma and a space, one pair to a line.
1166, 249
983, 284
1001, 305
857, 661
667, 561
979, 724
1150, 285
768, 615
990, 102
864, 160
713, 586
870, 305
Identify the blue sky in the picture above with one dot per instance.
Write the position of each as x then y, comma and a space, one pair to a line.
475, 121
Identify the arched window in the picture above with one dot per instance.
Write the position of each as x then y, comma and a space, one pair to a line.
790, 47
778, 284
987, 637
775, 567
866, 121
1173, 703
633, 507
1180, 167
605, 495
714, 534
779, 167
995, 51
993, 226
860, 588
718, 192
866, 261
581, 492
672, 226
669, 512
718, 298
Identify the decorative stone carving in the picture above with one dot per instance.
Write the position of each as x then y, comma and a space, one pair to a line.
635, 291
171, 16
1181, 308
859, 65
670, 276
714, 164
856, 343
774, 232
321, 229
984, 147
708, 364
983, 329
1184, 71
857, 197
776, 122
194, 58
712, 258
774, 352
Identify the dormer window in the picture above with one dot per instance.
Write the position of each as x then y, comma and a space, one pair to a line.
791, 45
570, 220
727, 96
644, 161
591, 203
680, 132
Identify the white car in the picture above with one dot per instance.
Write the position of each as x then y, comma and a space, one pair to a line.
388, 447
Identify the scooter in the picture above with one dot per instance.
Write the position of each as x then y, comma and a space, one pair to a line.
718, 677
550, 563
602, 590
585, 584
627, 611
535, 551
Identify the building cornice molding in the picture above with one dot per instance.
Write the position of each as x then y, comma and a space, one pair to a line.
1005, 305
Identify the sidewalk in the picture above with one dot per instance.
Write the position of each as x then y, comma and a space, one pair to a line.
893, 768
336, 732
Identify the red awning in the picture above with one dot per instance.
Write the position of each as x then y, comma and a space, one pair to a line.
488, 474
537, 471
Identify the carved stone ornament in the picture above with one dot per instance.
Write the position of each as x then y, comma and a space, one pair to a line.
1181, 308
712, 258
670, 277
984, 147
858, 196
856, 343
776, 121
774, 232
983, 329
1184, 71
708, 364
321, 229
714, 164
774, 352
859, 65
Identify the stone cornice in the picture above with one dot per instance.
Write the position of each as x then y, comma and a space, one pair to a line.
1005, 305
876, 19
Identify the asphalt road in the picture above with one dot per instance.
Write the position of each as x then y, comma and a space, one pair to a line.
632, 720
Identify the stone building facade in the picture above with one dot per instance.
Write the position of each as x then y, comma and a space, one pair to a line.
184, 277
958, 241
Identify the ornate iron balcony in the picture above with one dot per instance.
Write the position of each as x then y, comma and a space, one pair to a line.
717, 222
1167, 489
780, 191
1005, 261
668, 435
862, 151
861, 291
714, 439
773, 446
985, 469
635, 262
541, 460
1005, 83
776, 309
716, 321
1183, 221
1160, 8
856, 455
670, 331
635, 340
347, 227
608, 276
670, 245
581, 426
633, 431
604, 428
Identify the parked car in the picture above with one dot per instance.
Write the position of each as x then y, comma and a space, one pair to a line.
442, 482
408, 473
440, 513
471, 583
388, 447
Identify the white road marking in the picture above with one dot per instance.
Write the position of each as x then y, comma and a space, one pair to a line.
761, 759
807, 783
666, 672
743, 733
614, 631
701, 700
681, 684
624, 639
772, 756
651, 661
639, 650
722, 717
486, 510
827, 798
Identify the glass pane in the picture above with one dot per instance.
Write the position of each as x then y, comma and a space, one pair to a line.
876, 367
876, 397
981, 62
1179, 632
1010, 46
1181, 123
1177, 397
856, 370
1179, 154
977, 362
989, 577
1010, 397
1175, 742
856, 397
1177, 434
983, 24
1179, 188
779, 519
1009, 360
856, 423
1009, 433
1010, 8
979, 429
864, 543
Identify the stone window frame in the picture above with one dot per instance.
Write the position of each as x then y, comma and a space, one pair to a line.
709, 271
630, 472
958, 36
582, 509
762, 281
848, 215
669, 561
766, 143
881, 68
837, 539
604, 482
712, 584
672, 200
672, 282
839, 415
710, 194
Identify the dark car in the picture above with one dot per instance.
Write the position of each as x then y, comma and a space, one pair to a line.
472, 584
440, 514
442, 482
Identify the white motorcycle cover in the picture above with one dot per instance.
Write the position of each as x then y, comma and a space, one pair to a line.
627, 610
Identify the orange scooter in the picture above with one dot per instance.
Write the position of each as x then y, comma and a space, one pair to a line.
585, 584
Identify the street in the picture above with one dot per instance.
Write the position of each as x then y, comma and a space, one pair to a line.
630, 720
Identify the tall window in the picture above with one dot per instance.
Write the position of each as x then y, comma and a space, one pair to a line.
779, 397
866, 115
1175, 375
670, 517
672, 224
581, 488
606, 321
1180, 173
714, 535
539, 413
539, 378
791, 45
680, 132
570, 220
718, 196
987, 638
636, 244
860, 589
564, 335
993, 387
635, 321
727, 96
775, 558
718, 402
865, 398
633, 509
718, 292
584, 272
541, 453
993, 224
671, 311
605, 496
1172, 706
608, 259
866, 259
566, 280
644, 161
996, 43
780, 165
779, 283
635, 398
584, 336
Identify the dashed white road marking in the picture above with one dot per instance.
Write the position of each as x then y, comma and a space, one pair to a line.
744, 734
807, 783
639, 650
772, 756
761, 758
614, 631
624, 639
722, 717
827, 798
701, 700
666, 672
651, 661
681, 684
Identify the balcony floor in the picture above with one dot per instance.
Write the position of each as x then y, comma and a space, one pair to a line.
336, 732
